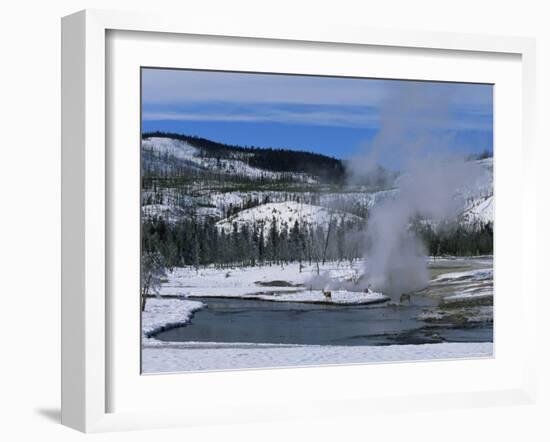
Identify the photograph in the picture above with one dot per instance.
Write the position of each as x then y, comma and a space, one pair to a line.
304, 220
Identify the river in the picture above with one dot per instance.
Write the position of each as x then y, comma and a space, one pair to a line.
244, 320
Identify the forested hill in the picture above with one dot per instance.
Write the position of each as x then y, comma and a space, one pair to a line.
326, 168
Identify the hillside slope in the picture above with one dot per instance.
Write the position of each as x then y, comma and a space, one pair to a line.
287, 213
250, 196
181, 154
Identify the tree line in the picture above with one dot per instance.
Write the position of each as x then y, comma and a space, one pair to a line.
200, 242
195, 242
328, 169
457, 239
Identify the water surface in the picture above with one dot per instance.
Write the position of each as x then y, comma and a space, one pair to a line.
244, 320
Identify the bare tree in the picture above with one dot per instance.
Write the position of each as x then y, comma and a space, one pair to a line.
327, 238
153, 270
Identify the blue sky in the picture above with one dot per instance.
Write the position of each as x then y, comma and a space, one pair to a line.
331, 115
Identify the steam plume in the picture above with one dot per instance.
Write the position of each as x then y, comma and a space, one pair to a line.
412, 137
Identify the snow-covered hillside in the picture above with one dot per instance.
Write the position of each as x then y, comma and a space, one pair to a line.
480, 210
343, 201
217, 201
286, 213
193, 157
214, 204
479, 207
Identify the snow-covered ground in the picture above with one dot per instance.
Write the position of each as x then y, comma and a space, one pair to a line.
265, 282
172, 308
206, 202
466, 297
365, 199
329, 199
179, 357
229, 166
479, 210
165, 313
466, 286
472, 315
175, 308
289, 284
209, 202
470, 294
286, 213
457, 277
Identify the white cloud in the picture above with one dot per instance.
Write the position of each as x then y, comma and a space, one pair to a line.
321, 118
183, 95
177, 86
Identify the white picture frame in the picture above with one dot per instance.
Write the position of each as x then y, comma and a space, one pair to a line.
87, 356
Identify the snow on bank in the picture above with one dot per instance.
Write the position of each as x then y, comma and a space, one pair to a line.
471, 275
287, 283
252, 281
212, 356
471, 294
165, 313
470, 286
317, 296
471, 315
269, 283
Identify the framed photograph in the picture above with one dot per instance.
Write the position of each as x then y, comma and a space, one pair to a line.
370, 239
256, 212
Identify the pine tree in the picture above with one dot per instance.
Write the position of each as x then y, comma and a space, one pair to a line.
274, 241
261, 245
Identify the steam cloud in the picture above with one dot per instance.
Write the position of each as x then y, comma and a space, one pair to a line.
431, 185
